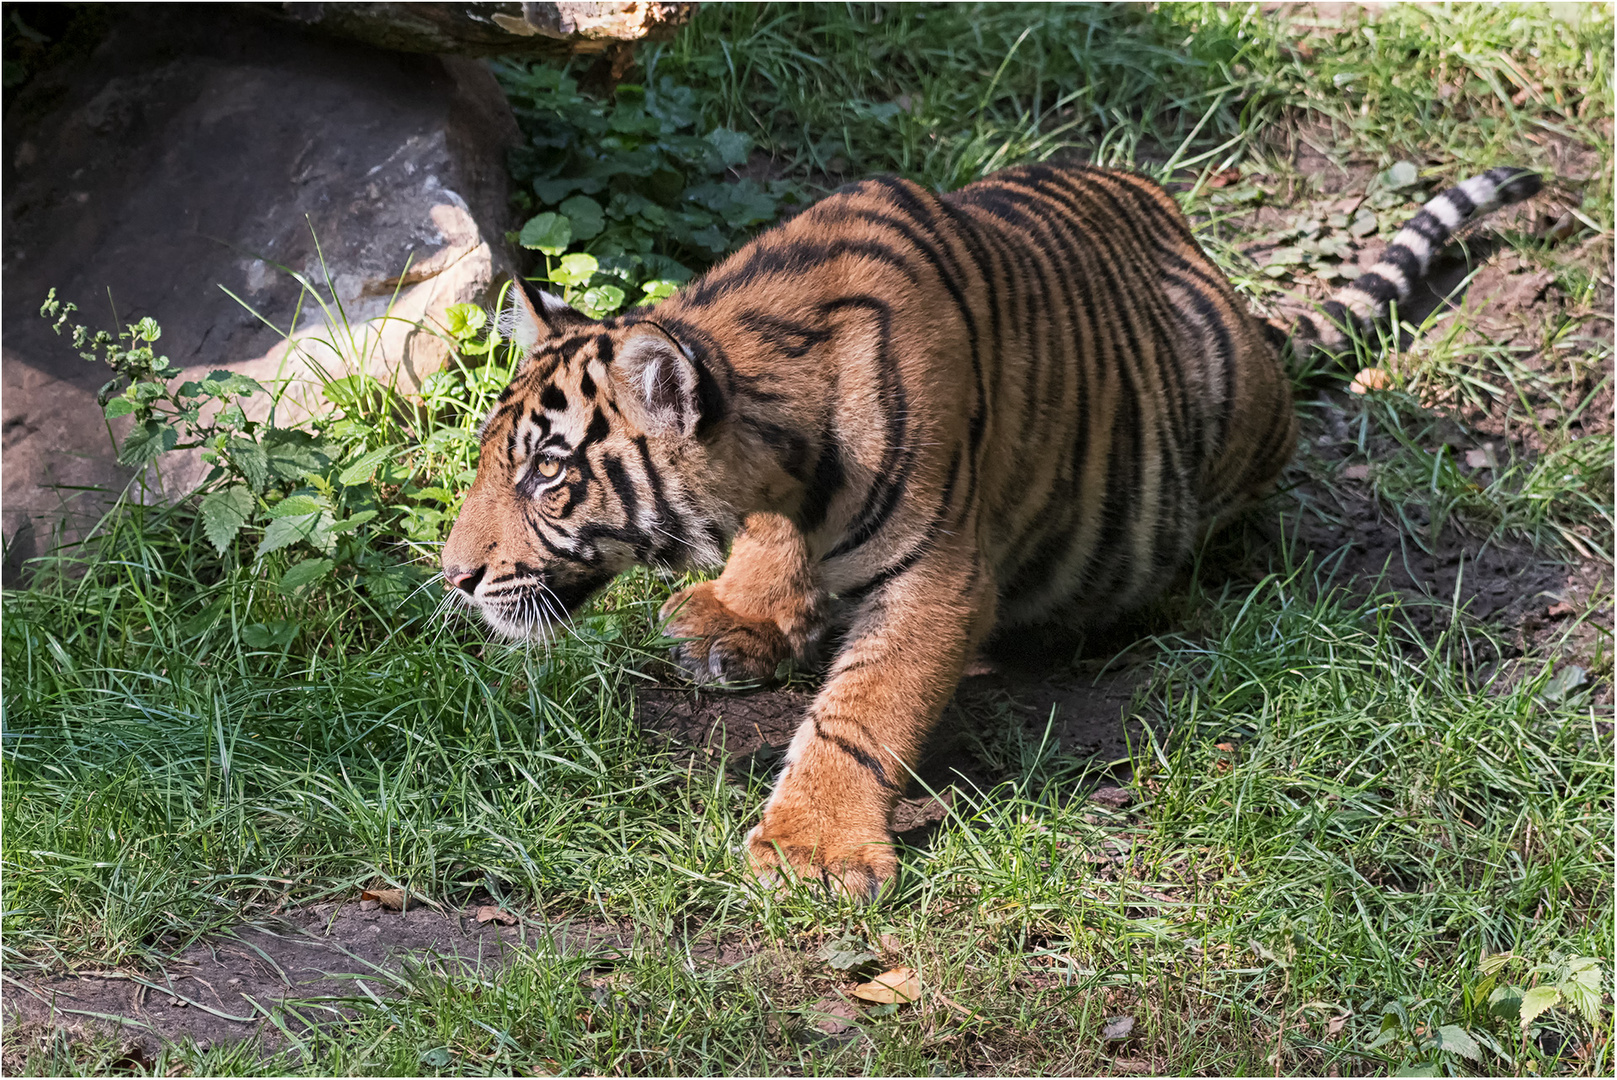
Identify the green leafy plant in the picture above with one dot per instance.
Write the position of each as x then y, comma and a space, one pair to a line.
355, 492
628, 191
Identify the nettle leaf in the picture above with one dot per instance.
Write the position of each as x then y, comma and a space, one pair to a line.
295, 506
1457, 1040
229, 383
250, 460
293, 453
146, 442
303, 573
1536, 1001
549, 233
119, 406
314, 529
364, 467
224, 512
586, 216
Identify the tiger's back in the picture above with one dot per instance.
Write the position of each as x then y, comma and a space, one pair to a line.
1044, 357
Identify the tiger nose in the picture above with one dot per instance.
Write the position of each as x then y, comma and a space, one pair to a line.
463, 579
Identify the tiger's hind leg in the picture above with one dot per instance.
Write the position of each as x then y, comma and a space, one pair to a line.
765, 607
829, 819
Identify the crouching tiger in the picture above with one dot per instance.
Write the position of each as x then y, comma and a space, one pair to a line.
910, 418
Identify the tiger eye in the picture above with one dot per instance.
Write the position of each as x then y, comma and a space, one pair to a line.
549, 468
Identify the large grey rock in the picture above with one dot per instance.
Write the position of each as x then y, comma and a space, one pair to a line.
196, 149
551, 30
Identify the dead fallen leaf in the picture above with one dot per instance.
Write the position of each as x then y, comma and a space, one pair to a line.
490, 913
1228, 748
1483, 457
900, 985
1334, 1026
1368, 379
1117, 1028
392, 899
1356, 472
1131, 1065
1555, 611
832, 1017
1224, 179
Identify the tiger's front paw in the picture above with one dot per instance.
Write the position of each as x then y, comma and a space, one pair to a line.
720, 645
858, 866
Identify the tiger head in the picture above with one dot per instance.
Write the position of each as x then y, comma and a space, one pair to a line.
599, 455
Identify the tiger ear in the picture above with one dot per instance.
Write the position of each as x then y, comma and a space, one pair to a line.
661, 386
531, 315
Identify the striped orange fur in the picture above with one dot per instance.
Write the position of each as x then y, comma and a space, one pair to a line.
914, 419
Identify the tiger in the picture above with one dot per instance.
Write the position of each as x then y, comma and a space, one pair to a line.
900, 421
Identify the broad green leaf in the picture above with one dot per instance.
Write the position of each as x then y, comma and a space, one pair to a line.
146, 442
658, 289
1505, 1002
283, 532
600, 301
304, 573
575, 269
361, 471
586, 216
1492, 964
549, 233
223, 383
1363, 223
1425, 1068
730, 146
224, 512
1401, 175
1536, 1001
464, 320
295, 506
294, 453
119, 406
1457, 1040
846, 953
276, 634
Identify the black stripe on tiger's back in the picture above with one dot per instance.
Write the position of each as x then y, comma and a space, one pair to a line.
789, 338
892, 475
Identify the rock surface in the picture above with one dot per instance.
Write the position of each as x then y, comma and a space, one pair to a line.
553, 30
196, 150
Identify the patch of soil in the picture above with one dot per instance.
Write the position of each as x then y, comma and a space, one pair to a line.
299, 967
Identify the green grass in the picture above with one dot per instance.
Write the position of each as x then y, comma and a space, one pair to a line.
1336, 817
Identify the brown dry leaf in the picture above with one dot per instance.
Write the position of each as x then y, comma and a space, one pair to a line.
490, 913
1555, 611
1228, 748
1356, 472
900, 985
832, 1017
1334, 1026
890, 944
1224, 179
392, 899
1368, 379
